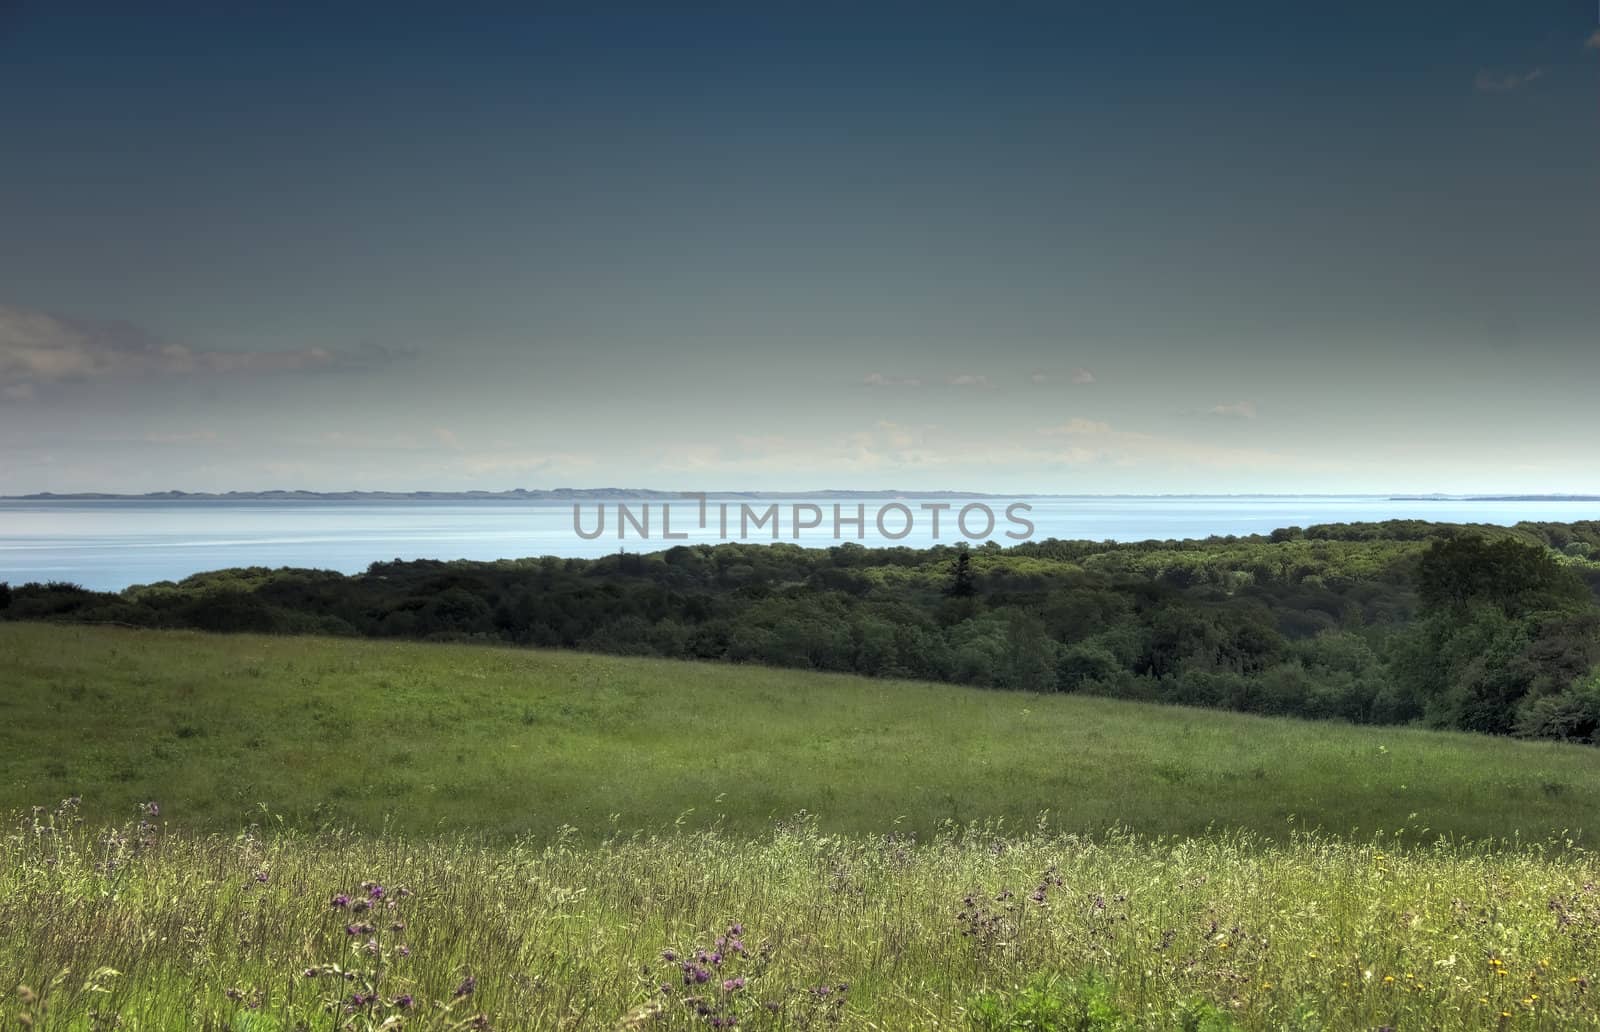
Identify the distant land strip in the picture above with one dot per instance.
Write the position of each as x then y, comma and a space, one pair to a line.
586, 493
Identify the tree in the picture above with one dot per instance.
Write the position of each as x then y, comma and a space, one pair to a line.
1515, 577
1573, 715
961, 584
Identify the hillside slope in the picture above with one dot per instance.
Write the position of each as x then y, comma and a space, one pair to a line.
422, 738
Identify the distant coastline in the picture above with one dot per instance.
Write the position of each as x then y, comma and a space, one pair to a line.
518, 494
1497, 498
560, 494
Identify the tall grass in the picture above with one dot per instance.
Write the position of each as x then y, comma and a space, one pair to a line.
160, 929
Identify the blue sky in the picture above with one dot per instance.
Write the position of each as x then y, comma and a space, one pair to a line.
1063, 247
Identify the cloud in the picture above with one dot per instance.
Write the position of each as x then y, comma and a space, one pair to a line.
1080, 427
38, 350
549, 464
1093, 442
189, 437
1233, 410
1079, 375
1488, 82
967, 380
880, 380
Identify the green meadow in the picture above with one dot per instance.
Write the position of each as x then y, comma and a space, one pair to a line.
363, 835
419, 739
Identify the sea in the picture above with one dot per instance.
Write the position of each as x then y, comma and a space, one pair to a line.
111, 544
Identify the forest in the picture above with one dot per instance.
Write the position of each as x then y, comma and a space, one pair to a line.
1478, 628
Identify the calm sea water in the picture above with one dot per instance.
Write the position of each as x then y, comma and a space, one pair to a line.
108, 545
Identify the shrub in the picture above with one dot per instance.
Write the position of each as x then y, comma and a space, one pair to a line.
1051, 1003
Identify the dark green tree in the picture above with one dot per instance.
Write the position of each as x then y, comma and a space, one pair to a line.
961, 583
1512, 576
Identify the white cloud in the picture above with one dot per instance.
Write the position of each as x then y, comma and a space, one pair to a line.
1080, 427
880, 380
967, 380
185, 437
548, 464
1489, 82
1090, 441
1233, 410
38, 350
1079, 375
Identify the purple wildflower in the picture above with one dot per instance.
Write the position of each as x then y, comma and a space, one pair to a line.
341, 901
465, 988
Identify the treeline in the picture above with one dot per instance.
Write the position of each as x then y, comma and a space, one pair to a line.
1478, 628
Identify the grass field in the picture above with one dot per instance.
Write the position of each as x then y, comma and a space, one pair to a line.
420, 738
1117, 933
971, 860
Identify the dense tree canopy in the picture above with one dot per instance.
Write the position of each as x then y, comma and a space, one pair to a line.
1478, 628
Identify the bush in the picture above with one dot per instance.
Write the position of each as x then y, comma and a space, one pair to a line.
1572, 715
1051, 1003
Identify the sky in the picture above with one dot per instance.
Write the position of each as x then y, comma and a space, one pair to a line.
1065, 248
